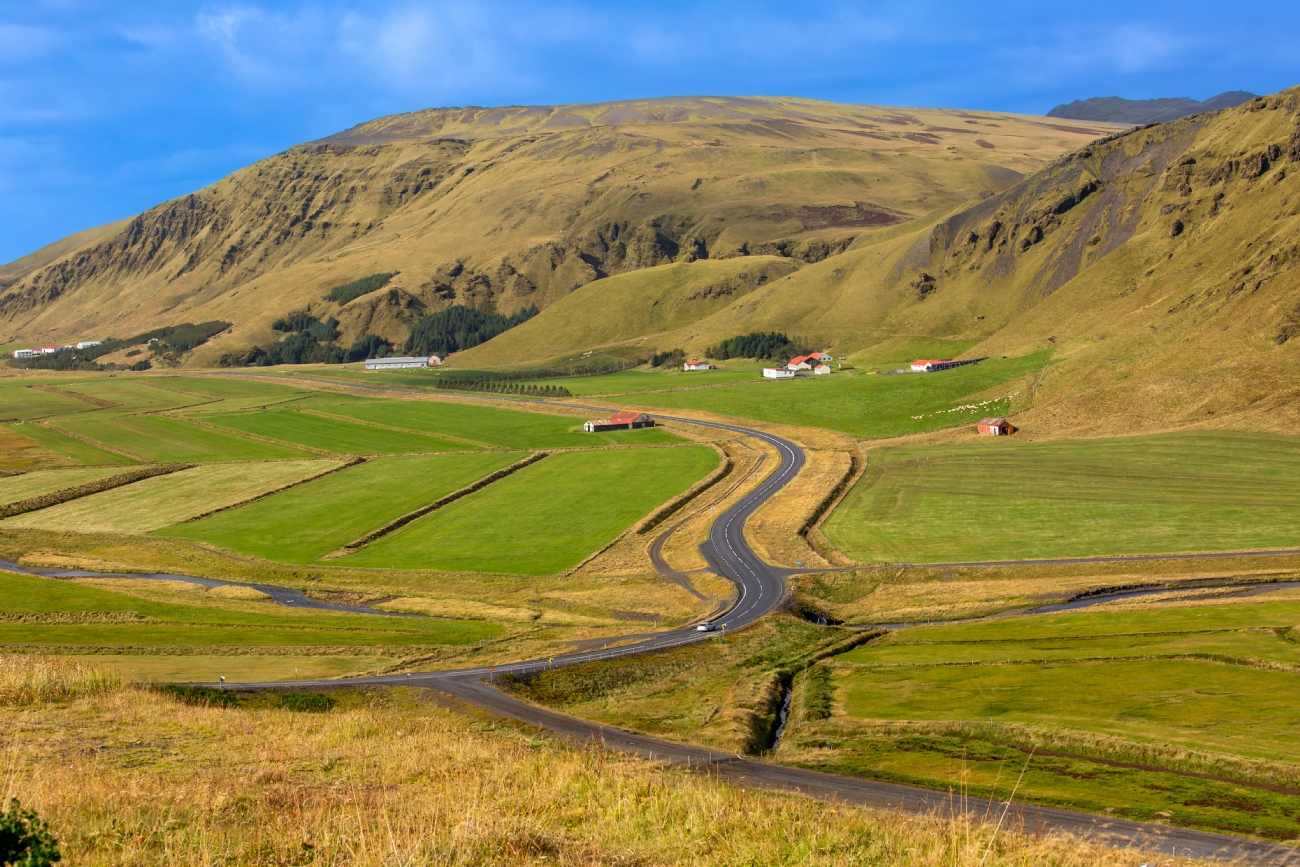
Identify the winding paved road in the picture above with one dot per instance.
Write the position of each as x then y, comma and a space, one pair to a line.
761, 588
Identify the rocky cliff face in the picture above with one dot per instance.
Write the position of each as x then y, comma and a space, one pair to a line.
507, 208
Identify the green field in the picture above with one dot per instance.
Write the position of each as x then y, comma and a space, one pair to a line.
1109, 710
159, 438
229, 386
162, 500
545, 518
333, 435
207, 621
41, 482
69, 447
309, 521
996, 498
19, 402
861, 404
488, 424
134, 395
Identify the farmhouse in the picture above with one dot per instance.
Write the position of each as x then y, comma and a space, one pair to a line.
698, 365
778, 373
86, 344
47, 350
996, 427
400, 362
822, 369
621, 421
25, 353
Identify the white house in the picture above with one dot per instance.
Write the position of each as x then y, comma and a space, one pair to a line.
48, 350
25, 353
822, 369
698, 365
398, 362
778, 373
86, 344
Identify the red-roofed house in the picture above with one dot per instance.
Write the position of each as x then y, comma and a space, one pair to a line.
996, 427
802, 362
620, 421
697, 365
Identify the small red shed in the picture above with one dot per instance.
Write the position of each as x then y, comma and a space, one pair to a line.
996, 427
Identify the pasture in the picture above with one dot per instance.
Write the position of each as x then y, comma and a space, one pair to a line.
332, 434
861, 404
226, 387
161, 438
163, 500
307, 522
1182, 713
133, 394
20, 402
491, 425
544, 518
996, 498
67, 449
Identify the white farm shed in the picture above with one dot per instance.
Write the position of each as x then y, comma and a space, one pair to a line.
397, 362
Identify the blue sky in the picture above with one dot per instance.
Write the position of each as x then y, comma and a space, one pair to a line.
109, 108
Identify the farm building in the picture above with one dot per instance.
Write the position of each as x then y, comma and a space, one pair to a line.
778, 373
399, 362
25, 353
924, 365
86, 344
621, 421
698, 365
996, 427
822, 369
47, 350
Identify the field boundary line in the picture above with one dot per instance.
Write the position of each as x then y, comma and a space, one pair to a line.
343, 465
97, 402
375, 424
54, 498
95, 443
252, 436
398, 523
811, 529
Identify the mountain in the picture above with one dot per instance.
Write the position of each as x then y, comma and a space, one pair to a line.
505, 208
1114, 109
1158, 265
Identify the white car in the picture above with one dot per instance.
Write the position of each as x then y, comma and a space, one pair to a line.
706, 626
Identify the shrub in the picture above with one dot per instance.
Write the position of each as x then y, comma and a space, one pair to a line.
671, 359
26, 841
199, 696
345, 293
306, 702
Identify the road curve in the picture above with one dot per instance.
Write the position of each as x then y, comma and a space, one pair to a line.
761, 588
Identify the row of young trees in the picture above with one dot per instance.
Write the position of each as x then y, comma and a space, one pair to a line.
496, 386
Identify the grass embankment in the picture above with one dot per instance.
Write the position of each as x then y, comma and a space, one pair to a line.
163, 500
332, 434
1181, 714
307, 522
861, 404
130, 776
996, 498
545, 518
488, 424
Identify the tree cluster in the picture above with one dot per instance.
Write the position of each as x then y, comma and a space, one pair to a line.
460, 327
348, 291
772, 345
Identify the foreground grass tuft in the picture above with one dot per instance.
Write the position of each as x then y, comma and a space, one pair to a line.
34, 680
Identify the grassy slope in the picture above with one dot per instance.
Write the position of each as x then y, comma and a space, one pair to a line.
309, 521
157, 438
512, 525
995, 498
539, 198
162, 500
861, 404
498, 427
333, 435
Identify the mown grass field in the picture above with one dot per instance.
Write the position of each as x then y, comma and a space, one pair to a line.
15, 488
20, 402
1181, 714
133, 394
488, 424
68, 448
225, 387
861, 404
544, 518
159, 438
331, 434
307, 522
163, 500
996, 498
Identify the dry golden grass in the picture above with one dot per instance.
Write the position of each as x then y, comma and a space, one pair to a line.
131, 777
34, 680
775, 530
